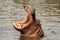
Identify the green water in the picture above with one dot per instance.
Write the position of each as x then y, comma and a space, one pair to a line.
48, 11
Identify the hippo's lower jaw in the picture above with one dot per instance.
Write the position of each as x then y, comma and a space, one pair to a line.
31, 33
41, 35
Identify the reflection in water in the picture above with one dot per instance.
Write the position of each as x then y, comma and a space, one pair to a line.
29, 38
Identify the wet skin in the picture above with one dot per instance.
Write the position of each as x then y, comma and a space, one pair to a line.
21, 24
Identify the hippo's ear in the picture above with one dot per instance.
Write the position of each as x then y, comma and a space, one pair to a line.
38, 21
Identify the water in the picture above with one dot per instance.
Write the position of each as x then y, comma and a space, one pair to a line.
48, 13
